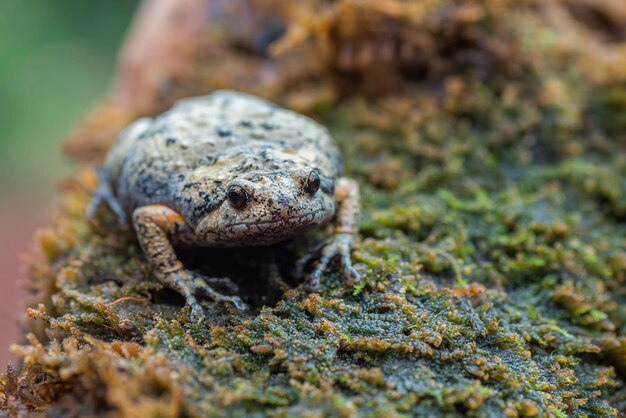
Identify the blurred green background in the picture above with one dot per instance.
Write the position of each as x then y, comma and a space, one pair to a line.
57, 59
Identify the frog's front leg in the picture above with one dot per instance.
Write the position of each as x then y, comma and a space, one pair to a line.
105, 194
154, 225
341, 243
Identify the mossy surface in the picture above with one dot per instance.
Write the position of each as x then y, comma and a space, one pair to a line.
489, 143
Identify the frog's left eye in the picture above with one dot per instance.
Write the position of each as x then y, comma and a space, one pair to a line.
312, 183
237, 197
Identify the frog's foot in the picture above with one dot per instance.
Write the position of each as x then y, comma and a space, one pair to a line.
339, 245
192, 285
105, 194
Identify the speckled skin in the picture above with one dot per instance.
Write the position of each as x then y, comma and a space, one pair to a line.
180, 177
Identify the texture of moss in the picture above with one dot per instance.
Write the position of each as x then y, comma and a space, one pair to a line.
489, 141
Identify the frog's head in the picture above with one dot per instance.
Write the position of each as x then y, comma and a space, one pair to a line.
263, 208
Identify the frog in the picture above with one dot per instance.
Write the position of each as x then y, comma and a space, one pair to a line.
229, 170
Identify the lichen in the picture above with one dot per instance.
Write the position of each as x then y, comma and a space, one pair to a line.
493, 177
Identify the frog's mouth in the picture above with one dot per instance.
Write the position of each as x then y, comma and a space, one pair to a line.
270, 231
305, 218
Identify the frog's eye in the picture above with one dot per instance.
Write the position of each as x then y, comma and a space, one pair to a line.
237, 197
312, 183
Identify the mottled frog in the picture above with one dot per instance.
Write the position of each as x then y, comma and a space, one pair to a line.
228, 170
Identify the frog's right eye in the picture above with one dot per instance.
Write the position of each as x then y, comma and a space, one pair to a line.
312, 183
237, 197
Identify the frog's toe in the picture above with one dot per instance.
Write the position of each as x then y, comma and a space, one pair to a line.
330, 251
351, 276
197, 312
313, 282
202, 289
237, 303
337, 246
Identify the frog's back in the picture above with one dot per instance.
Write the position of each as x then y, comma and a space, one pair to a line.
205, 132
225, 120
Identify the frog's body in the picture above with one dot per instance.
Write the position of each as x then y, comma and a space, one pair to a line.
227, 170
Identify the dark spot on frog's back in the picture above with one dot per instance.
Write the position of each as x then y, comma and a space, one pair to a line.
246, 123
170, 141
209, 202
151, 187
268, 126
223, 132
208, 160
192, 184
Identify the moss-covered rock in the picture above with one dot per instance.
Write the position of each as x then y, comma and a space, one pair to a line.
489, 141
